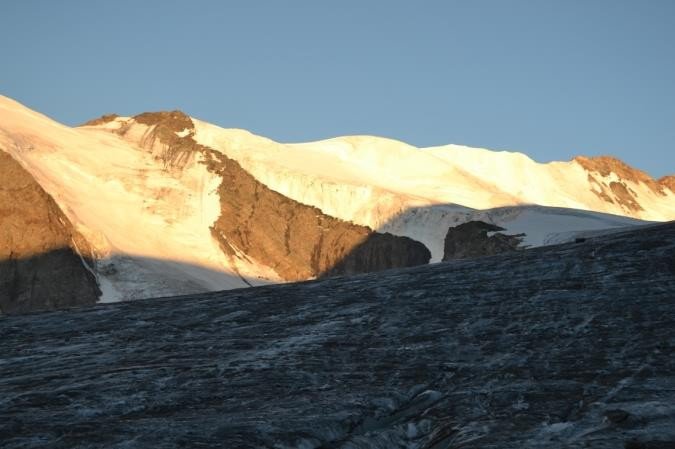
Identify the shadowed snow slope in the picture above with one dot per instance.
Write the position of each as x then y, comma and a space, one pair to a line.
566, 346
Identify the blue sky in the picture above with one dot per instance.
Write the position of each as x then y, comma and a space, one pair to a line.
552, 79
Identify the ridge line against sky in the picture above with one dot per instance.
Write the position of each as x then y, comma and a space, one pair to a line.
547, 78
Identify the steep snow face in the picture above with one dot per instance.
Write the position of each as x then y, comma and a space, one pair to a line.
149, 225
394, 187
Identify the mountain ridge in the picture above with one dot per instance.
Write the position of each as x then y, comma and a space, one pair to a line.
604, 164
172, 205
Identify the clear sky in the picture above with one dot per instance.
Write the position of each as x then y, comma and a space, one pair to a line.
552, 79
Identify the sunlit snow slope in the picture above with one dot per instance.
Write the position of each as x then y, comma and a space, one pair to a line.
149, 226
418, 192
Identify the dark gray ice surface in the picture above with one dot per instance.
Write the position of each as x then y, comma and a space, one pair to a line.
563, 346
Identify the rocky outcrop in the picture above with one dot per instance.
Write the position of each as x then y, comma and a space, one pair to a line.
618, 191
566, 346
471, 239
42, 258
668, 182
605, 165
625, 196
102, 120
297, 241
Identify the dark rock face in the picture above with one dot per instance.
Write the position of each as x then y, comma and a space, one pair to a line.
40, 263
471, 240
565, 346
297, 241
